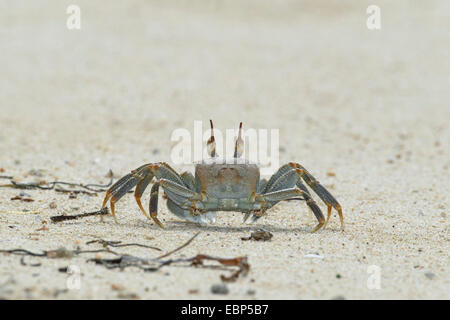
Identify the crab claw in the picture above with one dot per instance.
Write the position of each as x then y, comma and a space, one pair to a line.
201, 218
211, 216
252, 217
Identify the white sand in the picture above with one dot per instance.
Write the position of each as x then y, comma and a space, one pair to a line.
370, 106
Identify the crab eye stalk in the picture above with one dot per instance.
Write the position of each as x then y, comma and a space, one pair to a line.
239, 147
211, 144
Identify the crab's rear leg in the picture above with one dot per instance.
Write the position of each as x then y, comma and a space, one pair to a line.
285, 194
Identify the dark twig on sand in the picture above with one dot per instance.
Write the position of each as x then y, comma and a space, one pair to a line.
100, 212
22, 262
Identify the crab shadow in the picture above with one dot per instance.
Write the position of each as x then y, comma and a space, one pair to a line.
190, 226
180, 225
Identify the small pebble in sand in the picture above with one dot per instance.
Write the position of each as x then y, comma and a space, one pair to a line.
128, 296
36, 173
59, 253
338, 297
117, 287
251, 292
43, 228
72, 195
260, 235
430, 275
219, 289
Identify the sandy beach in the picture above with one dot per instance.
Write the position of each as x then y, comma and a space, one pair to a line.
365, 111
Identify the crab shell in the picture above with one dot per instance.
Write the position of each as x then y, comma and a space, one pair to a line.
227, 180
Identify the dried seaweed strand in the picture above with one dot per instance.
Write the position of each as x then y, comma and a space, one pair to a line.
54, 185
148, 265
58, 253
118, 244
180, 247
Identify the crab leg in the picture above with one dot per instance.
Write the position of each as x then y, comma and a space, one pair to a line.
323, 193
113, 189
276, 176
153, 206
193, 198
189, 180
118, 190
285, 194
187, 215
179, 189
141, 177
140, 188
261, 186
284, 180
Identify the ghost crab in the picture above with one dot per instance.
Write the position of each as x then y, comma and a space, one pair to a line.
222, 184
